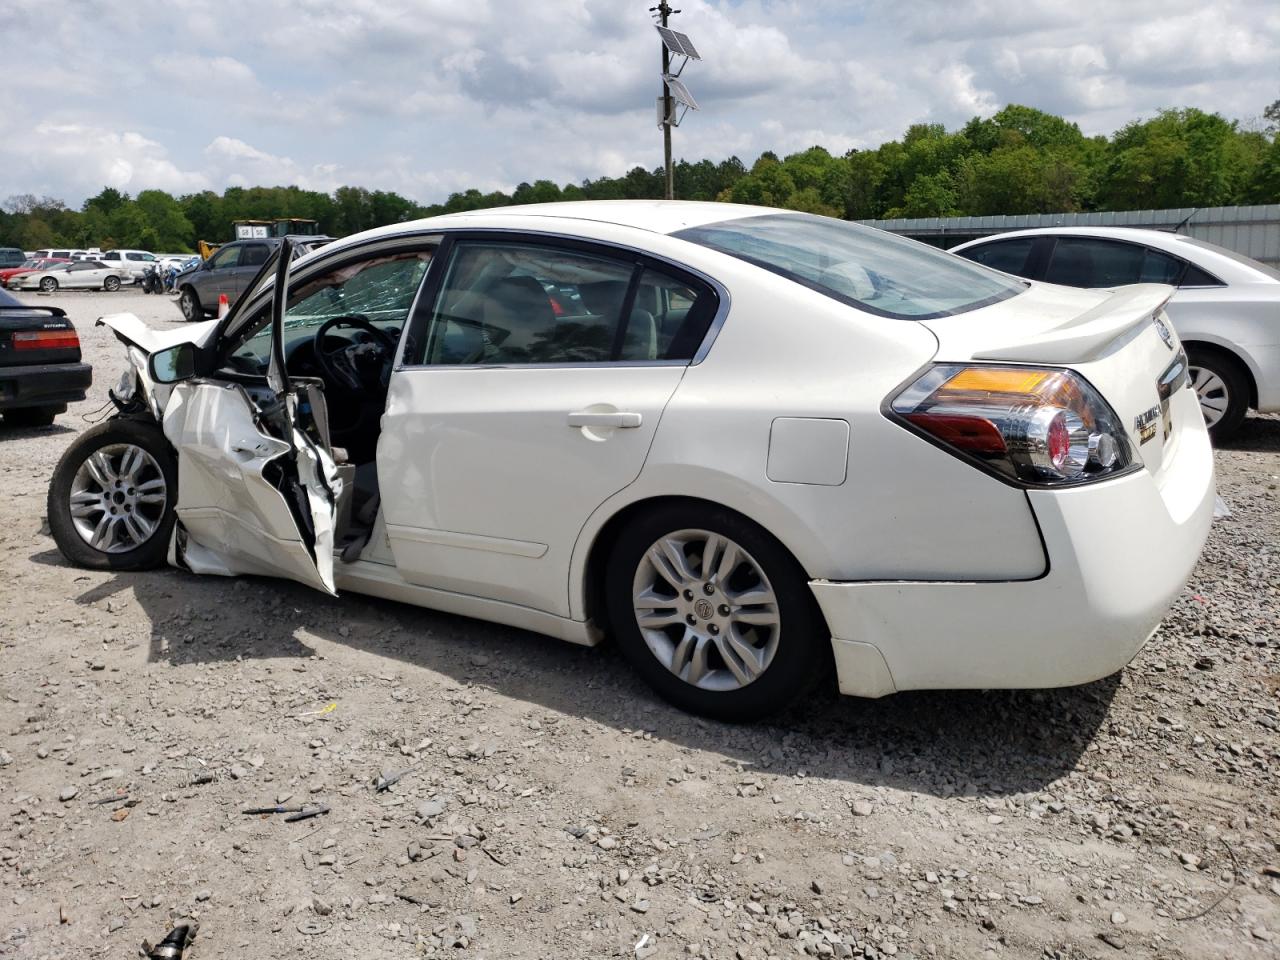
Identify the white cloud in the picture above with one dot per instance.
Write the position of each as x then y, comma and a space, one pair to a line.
430, 96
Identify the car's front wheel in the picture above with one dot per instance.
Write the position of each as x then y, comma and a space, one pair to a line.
112, 497
48, 284
714, 612
111, 284
189, 303
1221, 389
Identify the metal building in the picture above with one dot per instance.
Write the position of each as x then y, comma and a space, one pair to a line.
1253, 231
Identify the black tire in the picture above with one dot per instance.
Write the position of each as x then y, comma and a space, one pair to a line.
154, 550
111, 284
803, 645
48, 284
31, 416
189, 303
1234, 387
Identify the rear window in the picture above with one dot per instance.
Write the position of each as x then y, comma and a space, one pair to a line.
867, 268
1239, 258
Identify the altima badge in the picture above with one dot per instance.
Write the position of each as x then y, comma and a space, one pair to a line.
1145, 424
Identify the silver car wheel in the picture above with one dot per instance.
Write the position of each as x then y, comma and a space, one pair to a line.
706, 610
118, 498
1212, 392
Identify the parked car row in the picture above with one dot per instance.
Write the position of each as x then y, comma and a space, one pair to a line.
1226, 307
83, 274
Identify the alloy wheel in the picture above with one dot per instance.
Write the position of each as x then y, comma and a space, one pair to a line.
118, 498
706, 610
1212, 392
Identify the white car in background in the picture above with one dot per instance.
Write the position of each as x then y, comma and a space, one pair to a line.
132, 262
1226, 308
755, 447
59, 253
90, 274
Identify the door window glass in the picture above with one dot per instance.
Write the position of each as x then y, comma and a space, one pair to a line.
1089, 262
515, 303
380, 290
508, 303
226, 257
254, 255
1009, 256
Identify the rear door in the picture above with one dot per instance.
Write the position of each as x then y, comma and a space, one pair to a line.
257, 485
532, 382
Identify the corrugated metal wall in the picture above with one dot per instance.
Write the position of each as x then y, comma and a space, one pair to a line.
1253, 231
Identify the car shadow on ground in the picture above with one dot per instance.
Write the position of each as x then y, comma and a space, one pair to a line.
938, 742
1258, 434
8, 432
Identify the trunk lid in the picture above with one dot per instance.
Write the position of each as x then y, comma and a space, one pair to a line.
1119, 340
36, 335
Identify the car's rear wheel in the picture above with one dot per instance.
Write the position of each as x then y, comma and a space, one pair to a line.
713, 612
189, 303
48, 284
1221, 388
31, 416
112, 497
111, 284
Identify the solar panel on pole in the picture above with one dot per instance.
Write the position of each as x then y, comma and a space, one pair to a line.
680, 92
686, 45
678, 43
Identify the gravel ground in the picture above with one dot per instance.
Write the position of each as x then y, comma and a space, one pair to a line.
554, 808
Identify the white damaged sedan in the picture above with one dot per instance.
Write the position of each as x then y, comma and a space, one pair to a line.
756, 448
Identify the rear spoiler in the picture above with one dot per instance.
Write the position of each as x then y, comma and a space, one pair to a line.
22, 308
1092, 333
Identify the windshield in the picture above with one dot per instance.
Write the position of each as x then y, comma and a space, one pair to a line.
867, 268
380, 290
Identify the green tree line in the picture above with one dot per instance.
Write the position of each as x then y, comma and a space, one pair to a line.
1021, 160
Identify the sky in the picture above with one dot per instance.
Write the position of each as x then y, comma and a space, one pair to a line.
428, 97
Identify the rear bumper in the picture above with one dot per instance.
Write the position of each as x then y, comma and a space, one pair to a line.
1119, 554
45, 384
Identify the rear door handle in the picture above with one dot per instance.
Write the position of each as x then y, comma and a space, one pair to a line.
624, 420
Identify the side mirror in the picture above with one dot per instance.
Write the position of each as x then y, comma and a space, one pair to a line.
174, 364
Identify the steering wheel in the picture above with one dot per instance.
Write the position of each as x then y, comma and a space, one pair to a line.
348, 366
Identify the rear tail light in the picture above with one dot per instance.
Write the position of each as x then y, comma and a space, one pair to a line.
1033, 425
46, 340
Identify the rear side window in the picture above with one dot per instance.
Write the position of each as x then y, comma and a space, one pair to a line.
507, 303
1159, 267
870, 269
1008, 256
1195, 277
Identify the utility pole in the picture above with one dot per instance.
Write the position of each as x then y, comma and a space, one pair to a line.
673, 89
664, 11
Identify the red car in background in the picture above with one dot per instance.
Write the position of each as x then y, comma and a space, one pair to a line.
41, 263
